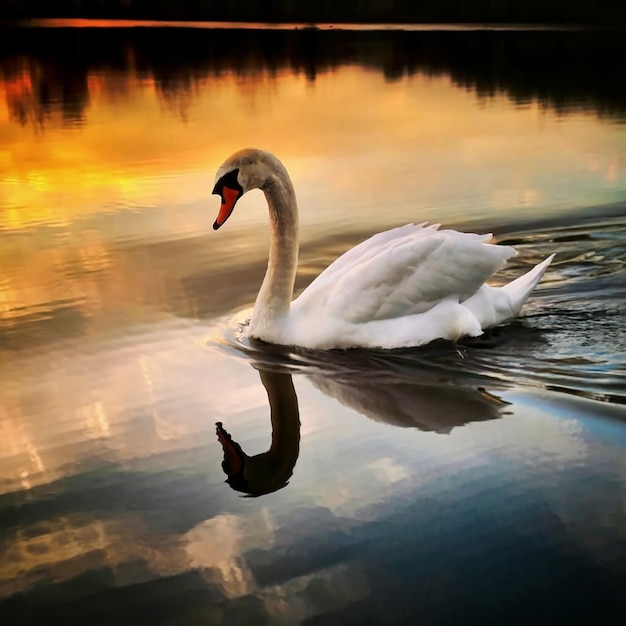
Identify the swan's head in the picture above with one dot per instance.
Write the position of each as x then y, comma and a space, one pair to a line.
245, 170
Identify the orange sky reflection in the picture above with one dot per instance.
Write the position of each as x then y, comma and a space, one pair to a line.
133, 161
115, 157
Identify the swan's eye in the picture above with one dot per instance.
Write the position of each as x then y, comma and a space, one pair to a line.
229, 190
228, 180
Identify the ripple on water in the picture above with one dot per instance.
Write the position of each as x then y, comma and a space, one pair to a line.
571, 338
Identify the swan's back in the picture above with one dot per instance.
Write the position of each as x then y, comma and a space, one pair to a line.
403, 271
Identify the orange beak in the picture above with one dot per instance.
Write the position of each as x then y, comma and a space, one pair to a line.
229, 199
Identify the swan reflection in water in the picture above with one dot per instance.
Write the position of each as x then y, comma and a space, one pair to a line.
433, 406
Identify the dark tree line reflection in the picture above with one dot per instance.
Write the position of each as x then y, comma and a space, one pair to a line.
563, 70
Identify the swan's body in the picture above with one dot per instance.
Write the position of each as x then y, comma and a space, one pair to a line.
402, 287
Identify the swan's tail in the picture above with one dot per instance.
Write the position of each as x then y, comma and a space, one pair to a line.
519, 289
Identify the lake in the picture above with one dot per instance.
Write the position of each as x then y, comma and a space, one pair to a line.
474, 483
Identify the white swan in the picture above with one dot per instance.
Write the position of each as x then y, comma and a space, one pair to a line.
402, 287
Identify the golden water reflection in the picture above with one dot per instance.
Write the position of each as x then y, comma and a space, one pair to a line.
421, 130
87, 210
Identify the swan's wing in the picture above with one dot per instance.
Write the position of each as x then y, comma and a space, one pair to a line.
404, 271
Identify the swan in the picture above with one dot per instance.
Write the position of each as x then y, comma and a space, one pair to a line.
400, 288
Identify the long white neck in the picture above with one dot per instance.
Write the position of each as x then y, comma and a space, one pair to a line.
274, 298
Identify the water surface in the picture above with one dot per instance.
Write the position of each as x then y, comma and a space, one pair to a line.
482, 481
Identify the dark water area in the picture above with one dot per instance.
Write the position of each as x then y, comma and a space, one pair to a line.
159, 467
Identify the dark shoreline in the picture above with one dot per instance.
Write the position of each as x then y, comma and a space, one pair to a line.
97, 23
556, 12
